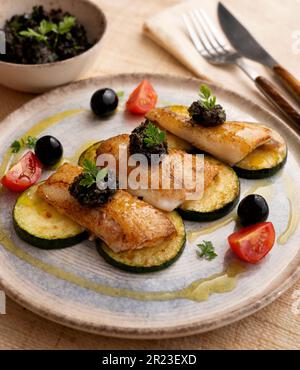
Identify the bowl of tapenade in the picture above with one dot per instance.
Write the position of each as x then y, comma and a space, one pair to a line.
48, 44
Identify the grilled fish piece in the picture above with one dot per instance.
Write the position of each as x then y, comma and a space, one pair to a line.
124, 223
230, 142
182, 186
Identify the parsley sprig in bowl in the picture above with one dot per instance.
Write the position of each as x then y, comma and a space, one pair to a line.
44, 37
49, 45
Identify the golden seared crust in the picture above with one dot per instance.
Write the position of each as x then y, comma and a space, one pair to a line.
124, 223
229, 142
144, 225
65, 174
170, 195
111, 146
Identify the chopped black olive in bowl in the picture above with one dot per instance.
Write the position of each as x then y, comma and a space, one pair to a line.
49, 43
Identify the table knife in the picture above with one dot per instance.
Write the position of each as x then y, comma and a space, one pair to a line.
242, 40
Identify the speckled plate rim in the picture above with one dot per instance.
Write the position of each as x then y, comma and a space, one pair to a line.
283, 281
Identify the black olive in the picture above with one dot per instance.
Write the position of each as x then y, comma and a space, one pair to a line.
104, 102
253, 209
48, 150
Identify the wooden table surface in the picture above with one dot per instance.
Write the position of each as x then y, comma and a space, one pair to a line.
126, 49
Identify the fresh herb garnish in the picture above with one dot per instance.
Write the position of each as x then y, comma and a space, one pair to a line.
16, 146
43, 36
153, 136
90, 189
149, 140
34, 34
207, 100
29, 143
206, 111
66, 25
90, 172
46, 27
102, 174
120, 94
207, 250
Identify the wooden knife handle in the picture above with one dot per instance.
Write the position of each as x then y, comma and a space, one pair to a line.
290, 82
275, 96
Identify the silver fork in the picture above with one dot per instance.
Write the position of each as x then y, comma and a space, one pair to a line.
212, 46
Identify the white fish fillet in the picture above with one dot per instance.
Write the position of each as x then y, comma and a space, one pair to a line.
124, 223
230, 142
166, 199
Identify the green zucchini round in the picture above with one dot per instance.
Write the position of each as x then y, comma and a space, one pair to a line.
218, 199
265, 161
39, 224
150, 259
90, 153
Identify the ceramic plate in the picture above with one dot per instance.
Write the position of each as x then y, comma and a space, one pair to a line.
77, 288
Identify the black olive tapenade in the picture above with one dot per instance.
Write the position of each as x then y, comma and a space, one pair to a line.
43, 37
205, 111
147, 139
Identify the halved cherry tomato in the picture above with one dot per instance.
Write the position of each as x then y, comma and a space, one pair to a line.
23, 174
253, 243
142, 99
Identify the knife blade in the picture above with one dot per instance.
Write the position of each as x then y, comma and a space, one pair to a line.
242, 40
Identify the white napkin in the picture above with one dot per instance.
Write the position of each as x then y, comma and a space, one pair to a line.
168, 30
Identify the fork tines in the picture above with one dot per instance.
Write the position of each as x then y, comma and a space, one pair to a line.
205, 36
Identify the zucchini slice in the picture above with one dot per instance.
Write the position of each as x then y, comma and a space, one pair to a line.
265, 161
150, 259
39, 224
90, 153
218, 199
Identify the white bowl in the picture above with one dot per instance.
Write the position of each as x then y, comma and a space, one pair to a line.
37, 78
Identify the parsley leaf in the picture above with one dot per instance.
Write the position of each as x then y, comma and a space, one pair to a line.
207, 251
207, 100
87, 180
66, 25
32, 33
90, 168
92, 174
16, 146
153, 136
29, 143
46, 27
120, 94
102, 174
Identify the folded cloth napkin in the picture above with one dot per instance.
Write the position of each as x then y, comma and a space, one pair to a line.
168, 30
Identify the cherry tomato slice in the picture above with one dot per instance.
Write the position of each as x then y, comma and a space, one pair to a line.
253, 243
142, 99
23, 174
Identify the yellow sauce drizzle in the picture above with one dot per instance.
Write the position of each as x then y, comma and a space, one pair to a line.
75, 157
198, 291
35, 131
193, 235
294, 215
259, 187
